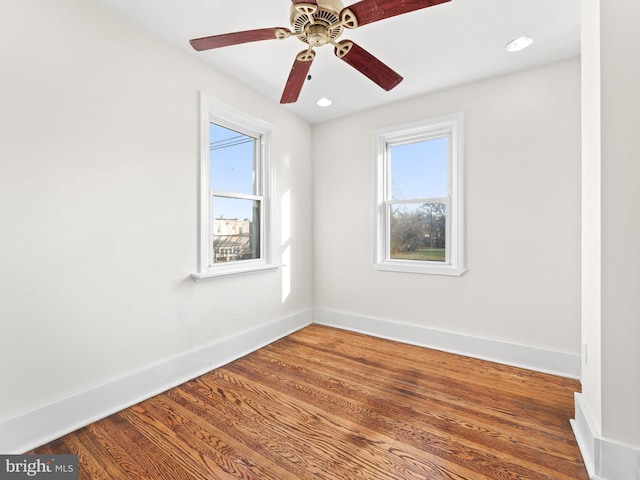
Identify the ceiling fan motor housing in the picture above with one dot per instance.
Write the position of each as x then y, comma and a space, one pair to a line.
317, 25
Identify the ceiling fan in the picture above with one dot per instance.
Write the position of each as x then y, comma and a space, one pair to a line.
321, 22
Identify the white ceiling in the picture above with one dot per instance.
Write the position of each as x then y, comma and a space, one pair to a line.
433, 48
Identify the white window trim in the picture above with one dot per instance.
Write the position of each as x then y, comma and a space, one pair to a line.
452, 126
215, 111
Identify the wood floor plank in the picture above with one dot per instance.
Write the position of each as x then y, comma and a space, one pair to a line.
95, 459
443, 441
439, 384
267, 444
335, 436
330, 404
288, 431
432, 396
473, 371
219, 450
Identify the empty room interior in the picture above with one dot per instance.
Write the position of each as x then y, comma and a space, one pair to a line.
434, 272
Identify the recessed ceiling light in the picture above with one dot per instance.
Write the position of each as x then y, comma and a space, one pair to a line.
519, 43
323, 102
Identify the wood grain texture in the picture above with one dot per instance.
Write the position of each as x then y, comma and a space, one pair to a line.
369, 65
329, 404
295, 82
369, 11
235, 38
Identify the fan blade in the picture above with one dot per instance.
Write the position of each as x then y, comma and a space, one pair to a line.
298, 74
312, 2
236, 38
369, 11
367, 64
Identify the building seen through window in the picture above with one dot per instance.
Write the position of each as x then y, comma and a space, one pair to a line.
235, 198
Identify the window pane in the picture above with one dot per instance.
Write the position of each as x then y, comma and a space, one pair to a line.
231, 160
418, 232
419, 170
236, 229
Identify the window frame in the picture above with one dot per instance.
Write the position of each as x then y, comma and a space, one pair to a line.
452, 127
215, 111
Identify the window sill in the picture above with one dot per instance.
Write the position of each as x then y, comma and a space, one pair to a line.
235, 270
448, 270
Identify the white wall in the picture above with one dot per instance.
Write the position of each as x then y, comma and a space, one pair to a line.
522, 160
607, 422
591, 210
620, 77
98, 205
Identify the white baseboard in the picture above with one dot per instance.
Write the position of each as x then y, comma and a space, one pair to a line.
604, 458
37, 427
584, 431
537, 359
34, 428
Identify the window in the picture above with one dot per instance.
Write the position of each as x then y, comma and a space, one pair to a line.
235, 191
419, 201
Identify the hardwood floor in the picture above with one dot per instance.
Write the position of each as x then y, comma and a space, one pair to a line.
330, 404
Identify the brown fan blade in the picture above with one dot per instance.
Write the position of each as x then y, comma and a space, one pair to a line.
298, 74
369, 11
236, 38
367, 64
